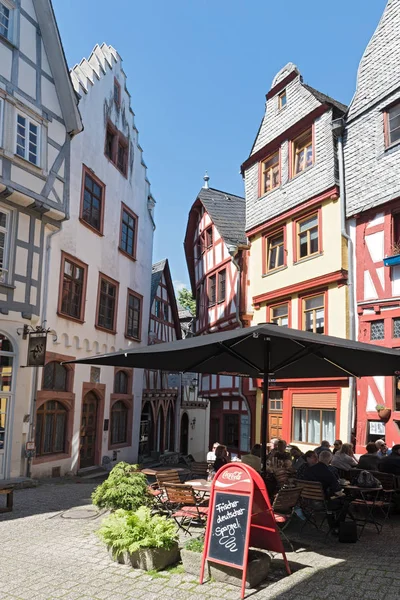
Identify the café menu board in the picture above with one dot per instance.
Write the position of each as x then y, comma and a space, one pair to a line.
230, 521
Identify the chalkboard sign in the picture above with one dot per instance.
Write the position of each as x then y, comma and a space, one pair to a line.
230, 521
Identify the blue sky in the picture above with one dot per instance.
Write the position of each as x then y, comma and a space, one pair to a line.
198, 72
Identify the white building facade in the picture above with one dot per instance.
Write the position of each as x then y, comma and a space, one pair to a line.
38, 118
99, 288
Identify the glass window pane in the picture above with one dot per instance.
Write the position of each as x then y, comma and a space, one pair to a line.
314, 302
314, 427
377, 330
309, 223
396, 328
328, 425
300, 425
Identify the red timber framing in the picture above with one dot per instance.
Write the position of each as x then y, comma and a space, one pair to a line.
232, 402
378, 308
159, 414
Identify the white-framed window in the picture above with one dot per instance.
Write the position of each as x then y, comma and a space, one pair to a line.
28, 139
1, 121
5, 226
6, 19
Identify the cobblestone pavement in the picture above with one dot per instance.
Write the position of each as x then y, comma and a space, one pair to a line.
47, 554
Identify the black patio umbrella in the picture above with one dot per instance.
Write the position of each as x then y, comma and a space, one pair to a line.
262, 351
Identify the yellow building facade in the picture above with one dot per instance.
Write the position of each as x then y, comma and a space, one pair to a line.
297, 263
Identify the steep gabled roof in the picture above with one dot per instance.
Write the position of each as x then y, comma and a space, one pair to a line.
324, 99
228, 213
157, 271
58, 65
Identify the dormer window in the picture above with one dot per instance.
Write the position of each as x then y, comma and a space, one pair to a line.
270, 173
392, 123
302, 152
282, 99
209, 237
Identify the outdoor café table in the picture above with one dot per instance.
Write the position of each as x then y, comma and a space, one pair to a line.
152, 472
200, 485
364, 497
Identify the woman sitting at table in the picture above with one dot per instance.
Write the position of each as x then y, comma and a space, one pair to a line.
344, 459
221, 457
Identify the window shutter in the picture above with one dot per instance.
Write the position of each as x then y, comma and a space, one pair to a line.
318, 400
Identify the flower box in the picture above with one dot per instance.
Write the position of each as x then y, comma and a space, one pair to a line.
391, 261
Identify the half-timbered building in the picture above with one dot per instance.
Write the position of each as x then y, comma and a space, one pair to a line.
160, 415
297, 263
215, 246
372, 167
99, 291
38, 118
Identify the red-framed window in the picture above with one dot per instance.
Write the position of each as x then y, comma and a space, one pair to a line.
116, 148
392, 124
72, 290
128, 232
313, 312
92, 201
133, 327
280, 313
212, 290
302, 150
274, 251
107, 303
117, 92
270, 175
307, 236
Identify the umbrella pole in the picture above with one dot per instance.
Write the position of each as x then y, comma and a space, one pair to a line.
264, 419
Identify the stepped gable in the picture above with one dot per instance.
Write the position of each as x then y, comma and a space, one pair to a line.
84, 75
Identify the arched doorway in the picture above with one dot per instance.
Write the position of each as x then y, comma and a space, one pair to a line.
146, 431
6, 372
184, 446
87, 451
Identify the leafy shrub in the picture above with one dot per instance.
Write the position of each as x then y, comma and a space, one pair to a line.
130, 531
124, 488
195, 545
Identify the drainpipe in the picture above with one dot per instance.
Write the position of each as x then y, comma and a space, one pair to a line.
233, 250
338, 127
32, 407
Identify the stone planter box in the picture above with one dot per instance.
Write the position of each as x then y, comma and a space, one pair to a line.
192, 562
258, 568
154, 559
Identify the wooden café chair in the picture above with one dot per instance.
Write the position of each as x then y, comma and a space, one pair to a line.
187, 509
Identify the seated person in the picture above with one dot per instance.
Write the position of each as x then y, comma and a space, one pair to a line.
391, 464
383, 450
325, 445
337, 444
321, 472
337, 504
221, 457
311, 459
254, 458
280, 453
211, 455
370, 461
297, 458
344, 459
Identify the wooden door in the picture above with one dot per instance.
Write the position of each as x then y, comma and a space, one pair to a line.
88, 431
275, 425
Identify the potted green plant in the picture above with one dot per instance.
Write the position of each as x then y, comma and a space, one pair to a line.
126, 487
191, 554
383, 412
146, 541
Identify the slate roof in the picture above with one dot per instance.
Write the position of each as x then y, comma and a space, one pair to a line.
325, 99
156, 275
184, 313
227, 213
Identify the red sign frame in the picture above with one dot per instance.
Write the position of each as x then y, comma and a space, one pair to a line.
261, 528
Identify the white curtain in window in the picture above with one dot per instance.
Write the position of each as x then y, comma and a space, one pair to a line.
329, 425
314, 427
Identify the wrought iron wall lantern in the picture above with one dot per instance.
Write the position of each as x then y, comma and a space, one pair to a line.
193, 423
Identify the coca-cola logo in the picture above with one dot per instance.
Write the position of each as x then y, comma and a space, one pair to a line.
232, 475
